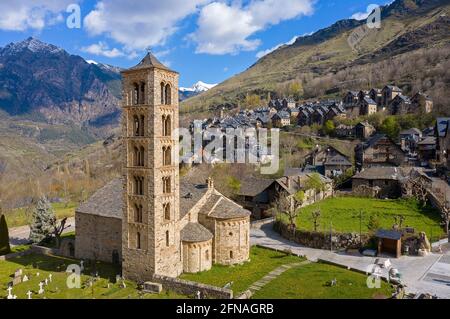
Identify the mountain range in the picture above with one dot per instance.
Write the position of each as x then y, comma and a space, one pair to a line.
411, 49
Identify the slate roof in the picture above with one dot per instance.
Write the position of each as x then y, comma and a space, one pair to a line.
338, 159
388, 234
369, 100
429, 140
106, 202
442, 123
411, 131
149, 61
252, 186
190, 194
194, 233
390, 173
227, 209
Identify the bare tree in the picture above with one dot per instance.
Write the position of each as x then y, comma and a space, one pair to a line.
315, 216
289, 207
58, 229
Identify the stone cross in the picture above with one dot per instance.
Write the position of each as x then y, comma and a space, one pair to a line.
82, 265
199, 295
46, 281
25, 278
41, 290
9, 291
29, 293
50, 277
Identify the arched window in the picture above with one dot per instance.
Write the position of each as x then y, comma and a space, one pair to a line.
138, 185
231, 254
167, 155
142, 157
167, 238
167, 125
142, 94
138, 210
135, 93
168, 95
136, 126
167, 188
138, 156
163, 98
207, 254
138, 240
166, 208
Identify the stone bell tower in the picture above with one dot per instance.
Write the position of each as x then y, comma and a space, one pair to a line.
150, 234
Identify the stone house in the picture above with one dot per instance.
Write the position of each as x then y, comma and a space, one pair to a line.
259, 195
389, 92
304, 118
281, 119
426, 149
387, 180
400, 105
409, 139
361, 95
350, 98
345, 131
442, 131
167, 225
379, 150
364, 130
367, 106
328, 161
376, 95
422, 103
288, 103
318, 117
293, 112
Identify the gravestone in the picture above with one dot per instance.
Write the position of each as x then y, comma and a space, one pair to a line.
41, 290
50, 277
17, 280
29, 293
152, 287
18, 273
25, 278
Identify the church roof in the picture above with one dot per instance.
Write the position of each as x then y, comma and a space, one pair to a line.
227, 209
194, 232
149, 61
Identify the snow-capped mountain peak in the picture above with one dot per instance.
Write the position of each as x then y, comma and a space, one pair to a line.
32, 44
198, 87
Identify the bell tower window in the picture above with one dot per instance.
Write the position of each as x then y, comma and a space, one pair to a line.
139, 185
167, 187
167, 155
167, 95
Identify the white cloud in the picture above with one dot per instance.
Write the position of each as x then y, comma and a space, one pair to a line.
20, 15
225, 28
103, 49
260, 54
360, 15
137, 24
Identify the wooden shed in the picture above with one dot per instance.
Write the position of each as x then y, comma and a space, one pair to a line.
389, 241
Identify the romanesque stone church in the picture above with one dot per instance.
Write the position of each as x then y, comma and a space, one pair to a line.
150, 221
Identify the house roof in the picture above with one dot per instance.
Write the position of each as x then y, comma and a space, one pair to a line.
382, 172
338, 159
388, 234
252, 186
149, 61
429, 140
194, 232
227, 209
442, 124
411, 131
368, 100
393, 88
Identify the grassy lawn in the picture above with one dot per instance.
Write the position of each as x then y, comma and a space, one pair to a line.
22, 216
344, 214
311, 281
262, 261
57, 289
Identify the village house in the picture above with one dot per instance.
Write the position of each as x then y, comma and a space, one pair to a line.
328, 161
350, 98
345, 131
385, 180
367, 106
364, 130
304, 118
400, 105
422, 103
260, 195
389, 92
409, 139
288, 103
318, 117
377, 96
379, 150
442, 131
281, 119
426, 150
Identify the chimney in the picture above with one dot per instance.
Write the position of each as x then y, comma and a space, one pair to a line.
210, 183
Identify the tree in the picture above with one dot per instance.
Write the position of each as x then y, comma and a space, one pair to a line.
329, 128
315, 183
390, 127
252, 100
289, 207
295, 89
43, 221
315, 216
4, 236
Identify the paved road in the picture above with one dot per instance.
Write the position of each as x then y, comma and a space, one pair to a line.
430, 274
19, 235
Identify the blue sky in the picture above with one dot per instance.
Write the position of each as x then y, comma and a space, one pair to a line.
204, 40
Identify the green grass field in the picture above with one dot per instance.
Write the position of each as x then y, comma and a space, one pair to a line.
262, 261
22, 216
311, 281
344, 214
57, 289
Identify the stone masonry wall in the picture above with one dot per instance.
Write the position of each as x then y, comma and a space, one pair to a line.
232, 241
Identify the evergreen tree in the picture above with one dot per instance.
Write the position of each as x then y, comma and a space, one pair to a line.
43, 221
4, 236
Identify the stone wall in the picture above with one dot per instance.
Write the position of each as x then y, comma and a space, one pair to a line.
322, 240
191, 288
197, 256
232, 241
97, 237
